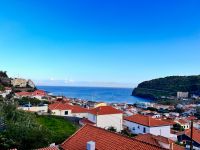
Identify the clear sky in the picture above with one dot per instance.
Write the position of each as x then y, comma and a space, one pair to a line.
99, 42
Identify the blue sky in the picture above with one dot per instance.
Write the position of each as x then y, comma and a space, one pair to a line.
101, 42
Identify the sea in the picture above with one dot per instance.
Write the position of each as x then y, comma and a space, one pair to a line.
98, 94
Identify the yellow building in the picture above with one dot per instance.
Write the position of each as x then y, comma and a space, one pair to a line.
100, 104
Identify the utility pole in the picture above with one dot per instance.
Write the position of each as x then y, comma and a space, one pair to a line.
191, 136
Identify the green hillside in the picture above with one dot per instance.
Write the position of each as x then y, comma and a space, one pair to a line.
168, 86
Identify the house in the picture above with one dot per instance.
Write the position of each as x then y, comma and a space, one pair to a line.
182, 94
139, 124
39, 94
184, 137
6, 92
23, 94
65, 109
159, 141
93, 138
106, 116
184, 124
100, 104
39, 109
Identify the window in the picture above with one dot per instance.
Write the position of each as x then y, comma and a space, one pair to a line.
133, 128
144, 130
138, 127
66, 112
94, 117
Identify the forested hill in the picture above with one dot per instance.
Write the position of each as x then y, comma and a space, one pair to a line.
168, 86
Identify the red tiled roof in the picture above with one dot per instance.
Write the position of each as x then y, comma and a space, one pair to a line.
196, 134
49, 148
39, 92
146, 121
66, 106
152, 139
104, 140
105, 110
191, 118
85, 121
78, 109
60, 106
24, 93
181, 121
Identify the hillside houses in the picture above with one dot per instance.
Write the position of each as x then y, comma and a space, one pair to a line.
66, 109
139, 124
106, 116
39, 94
94, 138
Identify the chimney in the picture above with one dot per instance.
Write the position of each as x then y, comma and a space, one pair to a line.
91, 145
172, 146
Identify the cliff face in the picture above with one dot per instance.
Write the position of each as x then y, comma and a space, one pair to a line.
17, 84
168, 86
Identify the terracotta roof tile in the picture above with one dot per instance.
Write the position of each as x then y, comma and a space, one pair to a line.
49, 148
146, 121
196, 134
66, 106
155, 140
104, 140
105, 110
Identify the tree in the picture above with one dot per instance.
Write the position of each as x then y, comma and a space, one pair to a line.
178, 127
112, 129
22, 131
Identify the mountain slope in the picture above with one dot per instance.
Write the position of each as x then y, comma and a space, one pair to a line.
168, 86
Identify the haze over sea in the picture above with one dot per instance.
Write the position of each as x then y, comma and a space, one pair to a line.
99, 94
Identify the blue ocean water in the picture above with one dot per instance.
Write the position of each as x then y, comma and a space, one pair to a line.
101, 94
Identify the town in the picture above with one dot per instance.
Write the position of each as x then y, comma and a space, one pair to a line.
120, 126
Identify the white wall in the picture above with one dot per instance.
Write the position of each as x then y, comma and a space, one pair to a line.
112, 120
35, 109
80, 115
136, 128
92, 118
139, 129
61, 112
162, 130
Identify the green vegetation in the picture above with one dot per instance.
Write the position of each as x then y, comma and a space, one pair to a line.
3, 74
33, 101
168, 101
24, 130
178, 127
168, 86
2, 88
20, 129
60, 128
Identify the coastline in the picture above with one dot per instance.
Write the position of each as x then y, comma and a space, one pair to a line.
98, 94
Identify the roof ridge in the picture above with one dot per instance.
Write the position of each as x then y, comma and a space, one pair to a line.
118, 134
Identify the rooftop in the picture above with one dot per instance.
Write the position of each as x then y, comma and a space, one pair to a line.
147, 121
105, 110
104, 140
156, 140
66, 106
196, 134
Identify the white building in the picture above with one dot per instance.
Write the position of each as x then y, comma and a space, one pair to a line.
106, 116
65, 109
139, 124
182, 94
42, 109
